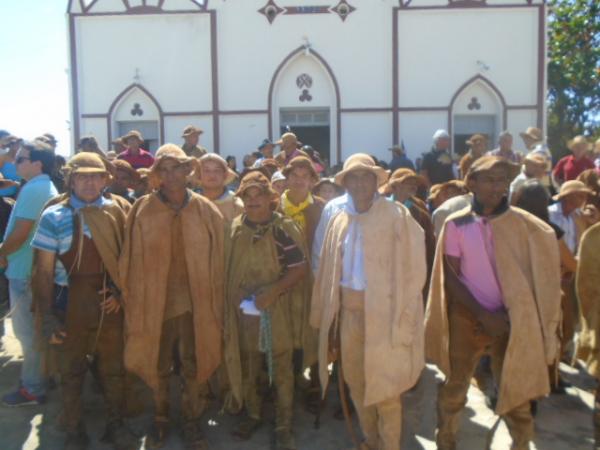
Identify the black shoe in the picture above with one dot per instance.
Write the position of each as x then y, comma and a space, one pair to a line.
158, 434
120, 436
193, 437
77, 440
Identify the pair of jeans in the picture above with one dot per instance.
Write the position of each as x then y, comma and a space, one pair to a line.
32, 378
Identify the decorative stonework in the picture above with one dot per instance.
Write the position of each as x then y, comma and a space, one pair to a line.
271, 10
343, 9
304, 80
474, 104
137, 110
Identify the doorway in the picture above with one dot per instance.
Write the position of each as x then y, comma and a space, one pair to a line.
311, 126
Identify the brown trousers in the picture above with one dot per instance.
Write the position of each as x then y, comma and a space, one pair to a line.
253, 361
468, 343
85, 336
381, 423
570, 311
178, 332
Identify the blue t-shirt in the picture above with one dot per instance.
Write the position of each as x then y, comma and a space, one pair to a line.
9, 171
32, 198
55, 231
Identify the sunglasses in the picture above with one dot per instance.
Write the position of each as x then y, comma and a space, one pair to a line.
21, 159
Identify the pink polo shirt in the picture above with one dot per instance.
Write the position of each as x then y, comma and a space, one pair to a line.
470, 239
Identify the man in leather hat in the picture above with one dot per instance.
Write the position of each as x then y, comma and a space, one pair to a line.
84, 231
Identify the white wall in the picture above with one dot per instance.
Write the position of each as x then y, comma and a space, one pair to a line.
367, 133
251, 49
241, 134
416, 130
174, 126
171, 51
439, 50
97, 128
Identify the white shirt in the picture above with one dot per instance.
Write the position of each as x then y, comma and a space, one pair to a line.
353, 273
566, 223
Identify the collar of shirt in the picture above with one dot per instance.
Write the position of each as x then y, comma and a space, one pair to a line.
478, 207
40, 177
77, 203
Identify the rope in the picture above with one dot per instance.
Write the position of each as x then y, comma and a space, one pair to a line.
265, 341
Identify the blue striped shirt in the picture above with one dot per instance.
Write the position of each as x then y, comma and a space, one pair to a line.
55, 231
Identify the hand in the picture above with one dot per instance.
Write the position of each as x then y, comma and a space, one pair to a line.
58, 337
591, 214
495, 324
3, 262
265, 297
111, 305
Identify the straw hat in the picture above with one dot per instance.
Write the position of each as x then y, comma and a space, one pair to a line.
532, 133
287, 138
572, 187
475, 139
300, 162
6, 183
231, 175
361, 161
577, 141
536, 158
133, 133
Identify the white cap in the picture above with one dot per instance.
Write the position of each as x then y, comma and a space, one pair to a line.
441, 133
277, 176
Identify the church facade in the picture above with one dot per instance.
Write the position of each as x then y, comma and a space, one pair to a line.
345, 75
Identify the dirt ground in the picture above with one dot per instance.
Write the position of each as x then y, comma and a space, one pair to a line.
563, 422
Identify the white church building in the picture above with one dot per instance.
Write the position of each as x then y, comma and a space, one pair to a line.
345, 75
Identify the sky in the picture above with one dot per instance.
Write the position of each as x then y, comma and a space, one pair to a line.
34, 78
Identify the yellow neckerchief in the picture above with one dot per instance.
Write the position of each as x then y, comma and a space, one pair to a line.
296, 212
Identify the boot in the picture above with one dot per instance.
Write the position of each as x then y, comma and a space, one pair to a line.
193, 437
158, 434
77, 439
120, 436
284, 439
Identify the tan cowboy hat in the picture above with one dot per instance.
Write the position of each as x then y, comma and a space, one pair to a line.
231, 175
190, 130
361, 161
300, 162
572, 187
579, 140
403, 174
87, 162
476, 138
170, 151
256, 179
6, 183
536, 158
533, 134
488, 162
287, 137
121, 164
133, 133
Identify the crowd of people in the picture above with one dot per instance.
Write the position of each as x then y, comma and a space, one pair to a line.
138, 267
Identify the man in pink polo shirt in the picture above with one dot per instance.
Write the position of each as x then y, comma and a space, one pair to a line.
495, 290
135, 154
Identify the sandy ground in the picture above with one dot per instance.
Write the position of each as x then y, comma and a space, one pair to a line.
563, 422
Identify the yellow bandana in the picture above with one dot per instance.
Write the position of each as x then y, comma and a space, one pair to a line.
296, 212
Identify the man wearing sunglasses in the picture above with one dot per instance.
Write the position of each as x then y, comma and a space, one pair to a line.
34, 161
